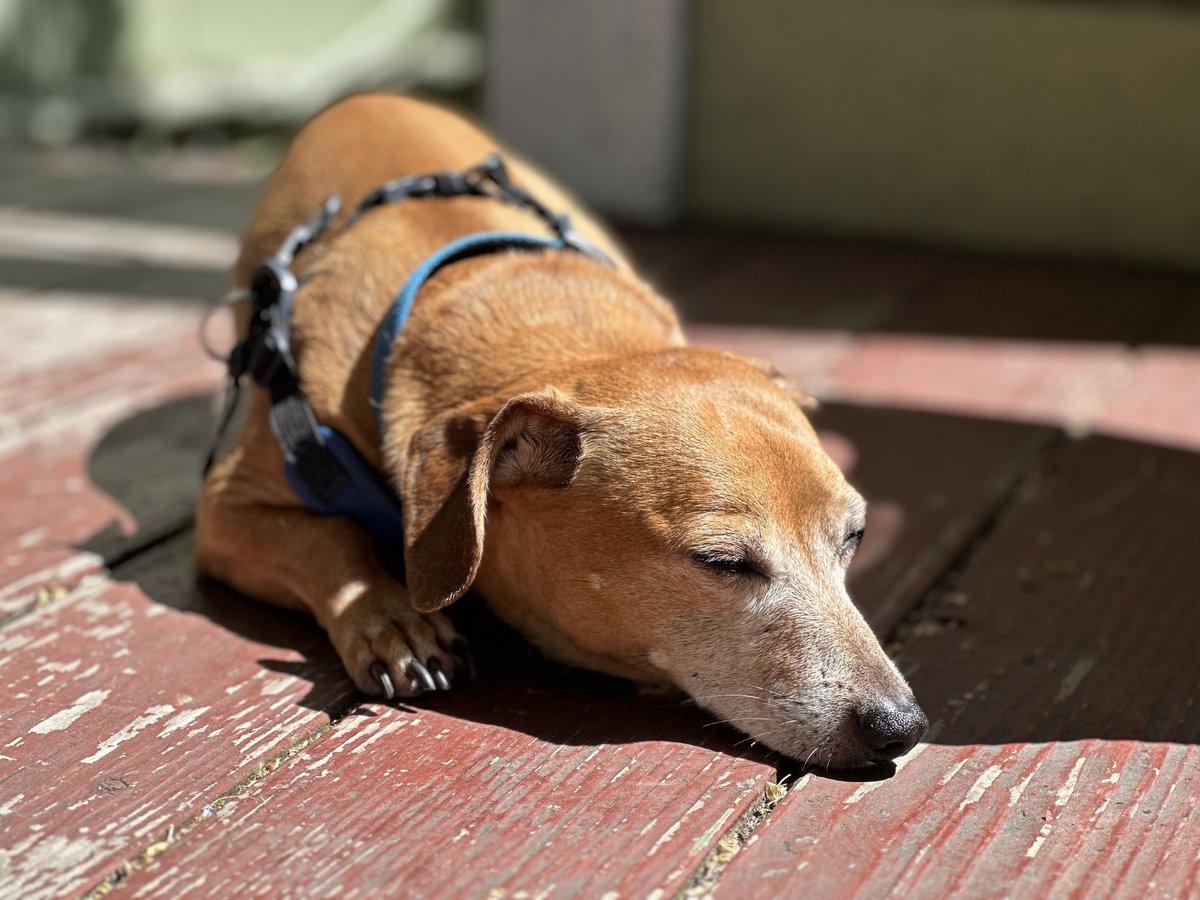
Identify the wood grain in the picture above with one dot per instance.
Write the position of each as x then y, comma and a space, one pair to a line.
1058, 670
206, 745
1090, 818
1065, 384
132, 704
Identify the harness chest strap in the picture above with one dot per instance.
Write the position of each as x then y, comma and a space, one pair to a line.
464, 248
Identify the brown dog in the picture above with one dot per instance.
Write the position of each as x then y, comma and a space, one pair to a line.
630, 504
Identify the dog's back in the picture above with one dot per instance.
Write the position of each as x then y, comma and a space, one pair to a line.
349, 149
363, 141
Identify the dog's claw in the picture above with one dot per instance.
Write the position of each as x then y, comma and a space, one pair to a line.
419, 672
435, 668
462, 651
385, 680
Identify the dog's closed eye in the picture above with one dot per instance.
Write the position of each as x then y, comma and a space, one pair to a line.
850, 543
728, 564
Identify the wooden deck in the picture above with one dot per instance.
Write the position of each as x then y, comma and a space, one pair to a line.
1027, 435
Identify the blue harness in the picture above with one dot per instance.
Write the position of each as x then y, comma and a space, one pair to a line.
323, 467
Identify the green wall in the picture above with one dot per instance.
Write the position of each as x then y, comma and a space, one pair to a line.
1044, 127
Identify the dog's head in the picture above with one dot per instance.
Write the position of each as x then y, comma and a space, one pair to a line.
668, 516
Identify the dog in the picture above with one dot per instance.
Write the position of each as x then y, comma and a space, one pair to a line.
628, 503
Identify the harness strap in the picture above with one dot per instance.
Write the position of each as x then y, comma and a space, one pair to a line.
464, 248
328, 474
265, 352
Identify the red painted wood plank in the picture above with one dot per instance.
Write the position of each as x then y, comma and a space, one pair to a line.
1070, 385
538, 789
991, 452
1091, 818
1160, 400
853, 286
1047, 383
70, 237
130, 706
48, 331
1058, 671
1075, 619
98, 447
805, 356
212, 190
673, 259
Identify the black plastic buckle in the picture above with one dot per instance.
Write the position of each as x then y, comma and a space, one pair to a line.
271, 366
319, 469
450, 184
271, 285
493, 169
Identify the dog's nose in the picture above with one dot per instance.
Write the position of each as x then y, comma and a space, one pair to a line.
892, 728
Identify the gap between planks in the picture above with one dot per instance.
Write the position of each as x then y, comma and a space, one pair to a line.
153, 850
50, 593
701, 882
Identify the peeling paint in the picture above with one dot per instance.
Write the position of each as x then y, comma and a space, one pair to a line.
1015, 793
985, 780
107, 746
868, 786
666, 836
47, 866
951, 772
1036, 846
1063, 795
65, 718
182, 720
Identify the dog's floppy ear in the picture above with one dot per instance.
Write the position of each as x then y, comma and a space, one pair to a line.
535, 439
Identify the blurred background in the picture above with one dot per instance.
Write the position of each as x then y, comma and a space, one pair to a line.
1061, 129
826, 170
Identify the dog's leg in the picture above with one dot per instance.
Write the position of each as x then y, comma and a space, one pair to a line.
327, 566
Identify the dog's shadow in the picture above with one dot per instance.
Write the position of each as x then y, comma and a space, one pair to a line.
150, 464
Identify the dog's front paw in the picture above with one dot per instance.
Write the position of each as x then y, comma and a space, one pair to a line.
389, 648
